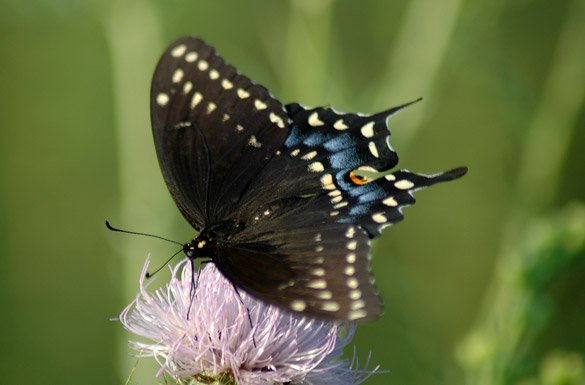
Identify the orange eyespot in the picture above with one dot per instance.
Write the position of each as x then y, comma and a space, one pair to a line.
358, 179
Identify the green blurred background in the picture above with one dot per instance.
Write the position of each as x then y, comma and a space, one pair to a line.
484, 280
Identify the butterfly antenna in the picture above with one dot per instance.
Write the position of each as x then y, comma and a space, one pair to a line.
136, 233
150, 275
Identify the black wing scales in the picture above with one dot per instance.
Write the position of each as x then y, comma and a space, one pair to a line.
231, 153
214, 129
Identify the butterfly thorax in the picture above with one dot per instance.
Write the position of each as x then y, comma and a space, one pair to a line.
203, 245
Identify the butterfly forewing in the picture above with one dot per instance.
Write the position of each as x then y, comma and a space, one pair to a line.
276, 192
213, 129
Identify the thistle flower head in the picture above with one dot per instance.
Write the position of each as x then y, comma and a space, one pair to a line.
207, 333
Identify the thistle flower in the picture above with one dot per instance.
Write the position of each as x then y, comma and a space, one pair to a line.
207, 335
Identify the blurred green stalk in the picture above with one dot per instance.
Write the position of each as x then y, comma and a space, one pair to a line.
538, 250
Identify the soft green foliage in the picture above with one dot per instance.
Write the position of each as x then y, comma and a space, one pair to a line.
483, 281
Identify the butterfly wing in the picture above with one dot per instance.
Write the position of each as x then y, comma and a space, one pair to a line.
315, 217
214, 130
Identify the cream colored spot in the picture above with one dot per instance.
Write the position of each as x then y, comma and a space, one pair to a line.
349, 270
390, 201
368, 130
211, 107
335, 193
242, 93
351, 245
162, 99
316, 167
356, 314
336, 199
259, 104
254, 142
196, 99
325, 294
201, 244
355, 294
267, 212
330, 306
314, 119
309, 155
319, 260
334, 213
225, 118
202, 65
390, 177
352, 283
350, 232
179, 50
403, 184
350, 258
340, 205
373, 149
355, 305
379, 218
187, 87
226, 84
319, 249
191, 57
318, 237
213, 74
276, 119
327, 182
318, 272
298, 305
367, 168
339, 125
317, 284
295, 152
178, 75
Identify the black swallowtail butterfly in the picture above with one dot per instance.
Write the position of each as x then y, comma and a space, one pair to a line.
273, 189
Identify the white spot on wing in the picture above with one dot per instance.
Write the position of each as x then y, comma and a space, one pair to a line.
390, 177
350, 232
320, 272
349, 270
259, 104
276, 119
213, 74
295, 152
298, 305
196, 99
327, 182
178, 75
242, 93
226, 84
390, 201
330, 306
309, 156
373, 149
339, 125
367, 130
316, 167
211, 107
351, 245
162, 99
355, 305
350, 258
187, 87
254, 142
318, 237
317, 284
379, 218
314, 119
352, 283
239, 128
325, 294
179, 50
319, 249
191, 57
403, 184
355, 294
356, 314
